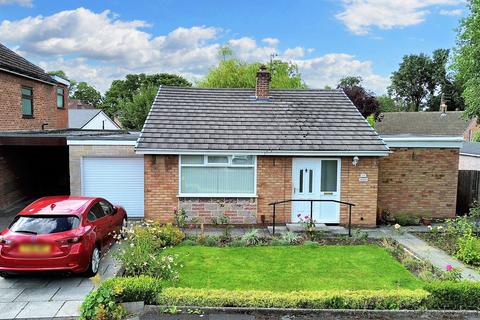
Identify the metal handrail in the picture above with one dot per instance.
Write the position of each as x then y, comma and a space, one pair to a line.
350, 205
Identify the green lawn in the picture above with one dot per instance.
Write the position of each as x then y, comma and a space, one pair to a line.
292, 268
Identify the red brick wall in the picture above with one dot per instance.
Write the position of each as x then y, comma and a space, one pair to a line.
361, 193
161, 187
44, 105
419, 181
274, 183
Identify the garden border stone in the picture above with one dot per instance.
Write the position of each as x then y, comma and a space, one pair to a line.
153, 310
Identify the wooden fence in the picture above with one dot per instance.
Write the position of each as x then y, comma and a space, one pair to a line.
468, 189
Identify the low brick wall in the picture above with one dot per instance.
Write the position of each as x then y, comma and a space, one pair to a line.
238, 210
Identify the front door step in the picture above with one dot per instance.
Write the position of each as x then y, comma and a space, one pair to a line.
298, 227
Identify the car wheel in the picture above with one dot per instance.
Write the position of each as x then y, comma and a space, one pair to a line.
94, 263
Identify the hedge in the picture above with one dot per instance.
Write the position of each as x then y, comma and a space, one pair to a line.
331, 299
450, 295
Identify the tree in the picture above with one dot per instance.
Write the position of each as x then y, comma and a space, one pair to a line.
466, 59
86, 93
133, 111
233, 73
388, 104
412, 83
365, 101
124, 90
421, 80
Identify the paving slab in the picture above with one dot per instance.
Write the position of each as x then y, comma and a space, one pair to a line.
70, 282
70, 309
43, 309
8, 295
435, 256
6, 283
28, 282
37, 294
9, 310
71, 293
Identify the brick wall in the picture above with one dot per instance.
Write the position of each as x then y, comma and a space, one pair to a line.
419, 181
44, 105
471, 130
274, 183
354, 189
238, 210
161, 187
76, 152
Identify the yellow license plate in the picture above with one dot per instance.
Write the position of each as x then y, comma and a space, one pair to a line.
34, 248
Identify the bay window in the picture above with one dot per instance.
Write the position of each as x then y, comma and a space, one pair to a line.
217, 175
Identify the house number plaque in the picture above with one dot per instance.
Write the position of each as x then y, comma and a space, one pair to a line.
363, 177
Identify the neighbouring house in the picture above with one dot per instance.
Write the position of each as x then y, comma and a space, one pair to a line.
79, 104
90, 119
35, 156
470, 156
420, 176
444, 123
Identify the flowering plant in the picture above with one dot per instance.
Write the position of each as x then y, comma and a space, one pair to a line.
307, 223
451, 273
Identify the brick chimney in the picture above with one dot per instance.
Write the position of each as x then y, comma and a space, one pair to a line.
263, 83
443, 106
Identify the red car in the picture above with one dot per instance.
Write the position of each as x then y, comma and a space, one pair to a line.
67, 234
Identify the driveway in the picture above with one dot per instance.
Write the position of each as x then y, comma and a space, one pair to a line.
36, 296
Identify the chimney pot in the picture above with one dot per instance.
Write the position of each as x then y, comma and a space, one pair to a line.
263, 83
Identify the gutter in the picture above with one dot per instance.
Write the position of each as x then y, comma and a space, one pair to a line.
262, 152
455, 142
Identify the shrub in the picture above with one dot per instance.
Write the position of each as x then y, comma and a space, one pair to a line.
279, 242
251, 237
311, 243
290, 237
188, 243
453, 295
142, 254
102, 303
469, 249
363, 299
407, 219
211, 241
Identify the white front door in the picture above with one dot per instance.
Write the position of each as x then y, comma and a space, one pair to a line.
316, 179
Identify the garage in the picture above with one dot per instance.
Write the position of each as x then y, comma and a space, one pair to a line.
107, 166
120, 180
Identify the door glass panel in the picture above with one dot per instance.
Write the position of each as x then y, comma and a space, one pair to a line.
310, 181
329, 176
301, 181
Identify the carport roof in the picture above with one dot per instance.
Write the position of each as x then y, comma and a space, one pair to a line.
59, 137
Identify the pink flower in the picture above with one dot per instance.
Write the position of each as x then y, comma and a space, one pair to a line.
299, 215
174, 209
449, 267
306, 217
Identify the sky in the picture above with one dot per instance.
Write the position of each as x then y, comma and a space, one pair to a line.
98, 41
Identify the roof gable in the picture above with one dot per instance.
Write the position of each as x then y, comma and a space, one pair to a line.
233, 120
78, 118
422, 123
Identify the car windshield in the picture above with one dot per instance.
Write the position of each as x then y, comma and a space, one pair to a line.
43, 224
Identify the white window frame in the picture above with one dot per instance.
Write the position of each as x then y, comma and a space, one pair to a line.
229, 164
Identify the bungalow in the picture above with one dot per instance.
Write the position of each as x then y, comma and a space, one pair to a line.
233, 152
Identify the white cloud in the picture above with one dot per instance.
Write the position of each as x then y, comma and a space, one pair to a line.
296, 52
271, 41
326, 70
361, 15
23, 3
453, 12
100, 47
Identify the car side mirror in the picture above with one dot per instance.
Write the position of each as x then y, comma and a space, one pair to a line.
115, 210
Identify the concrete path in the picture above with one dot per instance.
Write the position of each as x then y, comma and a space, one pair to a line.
27, 297
435, 256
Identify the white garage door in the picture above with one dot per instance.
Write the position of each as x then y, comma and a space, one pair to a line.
119, 180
